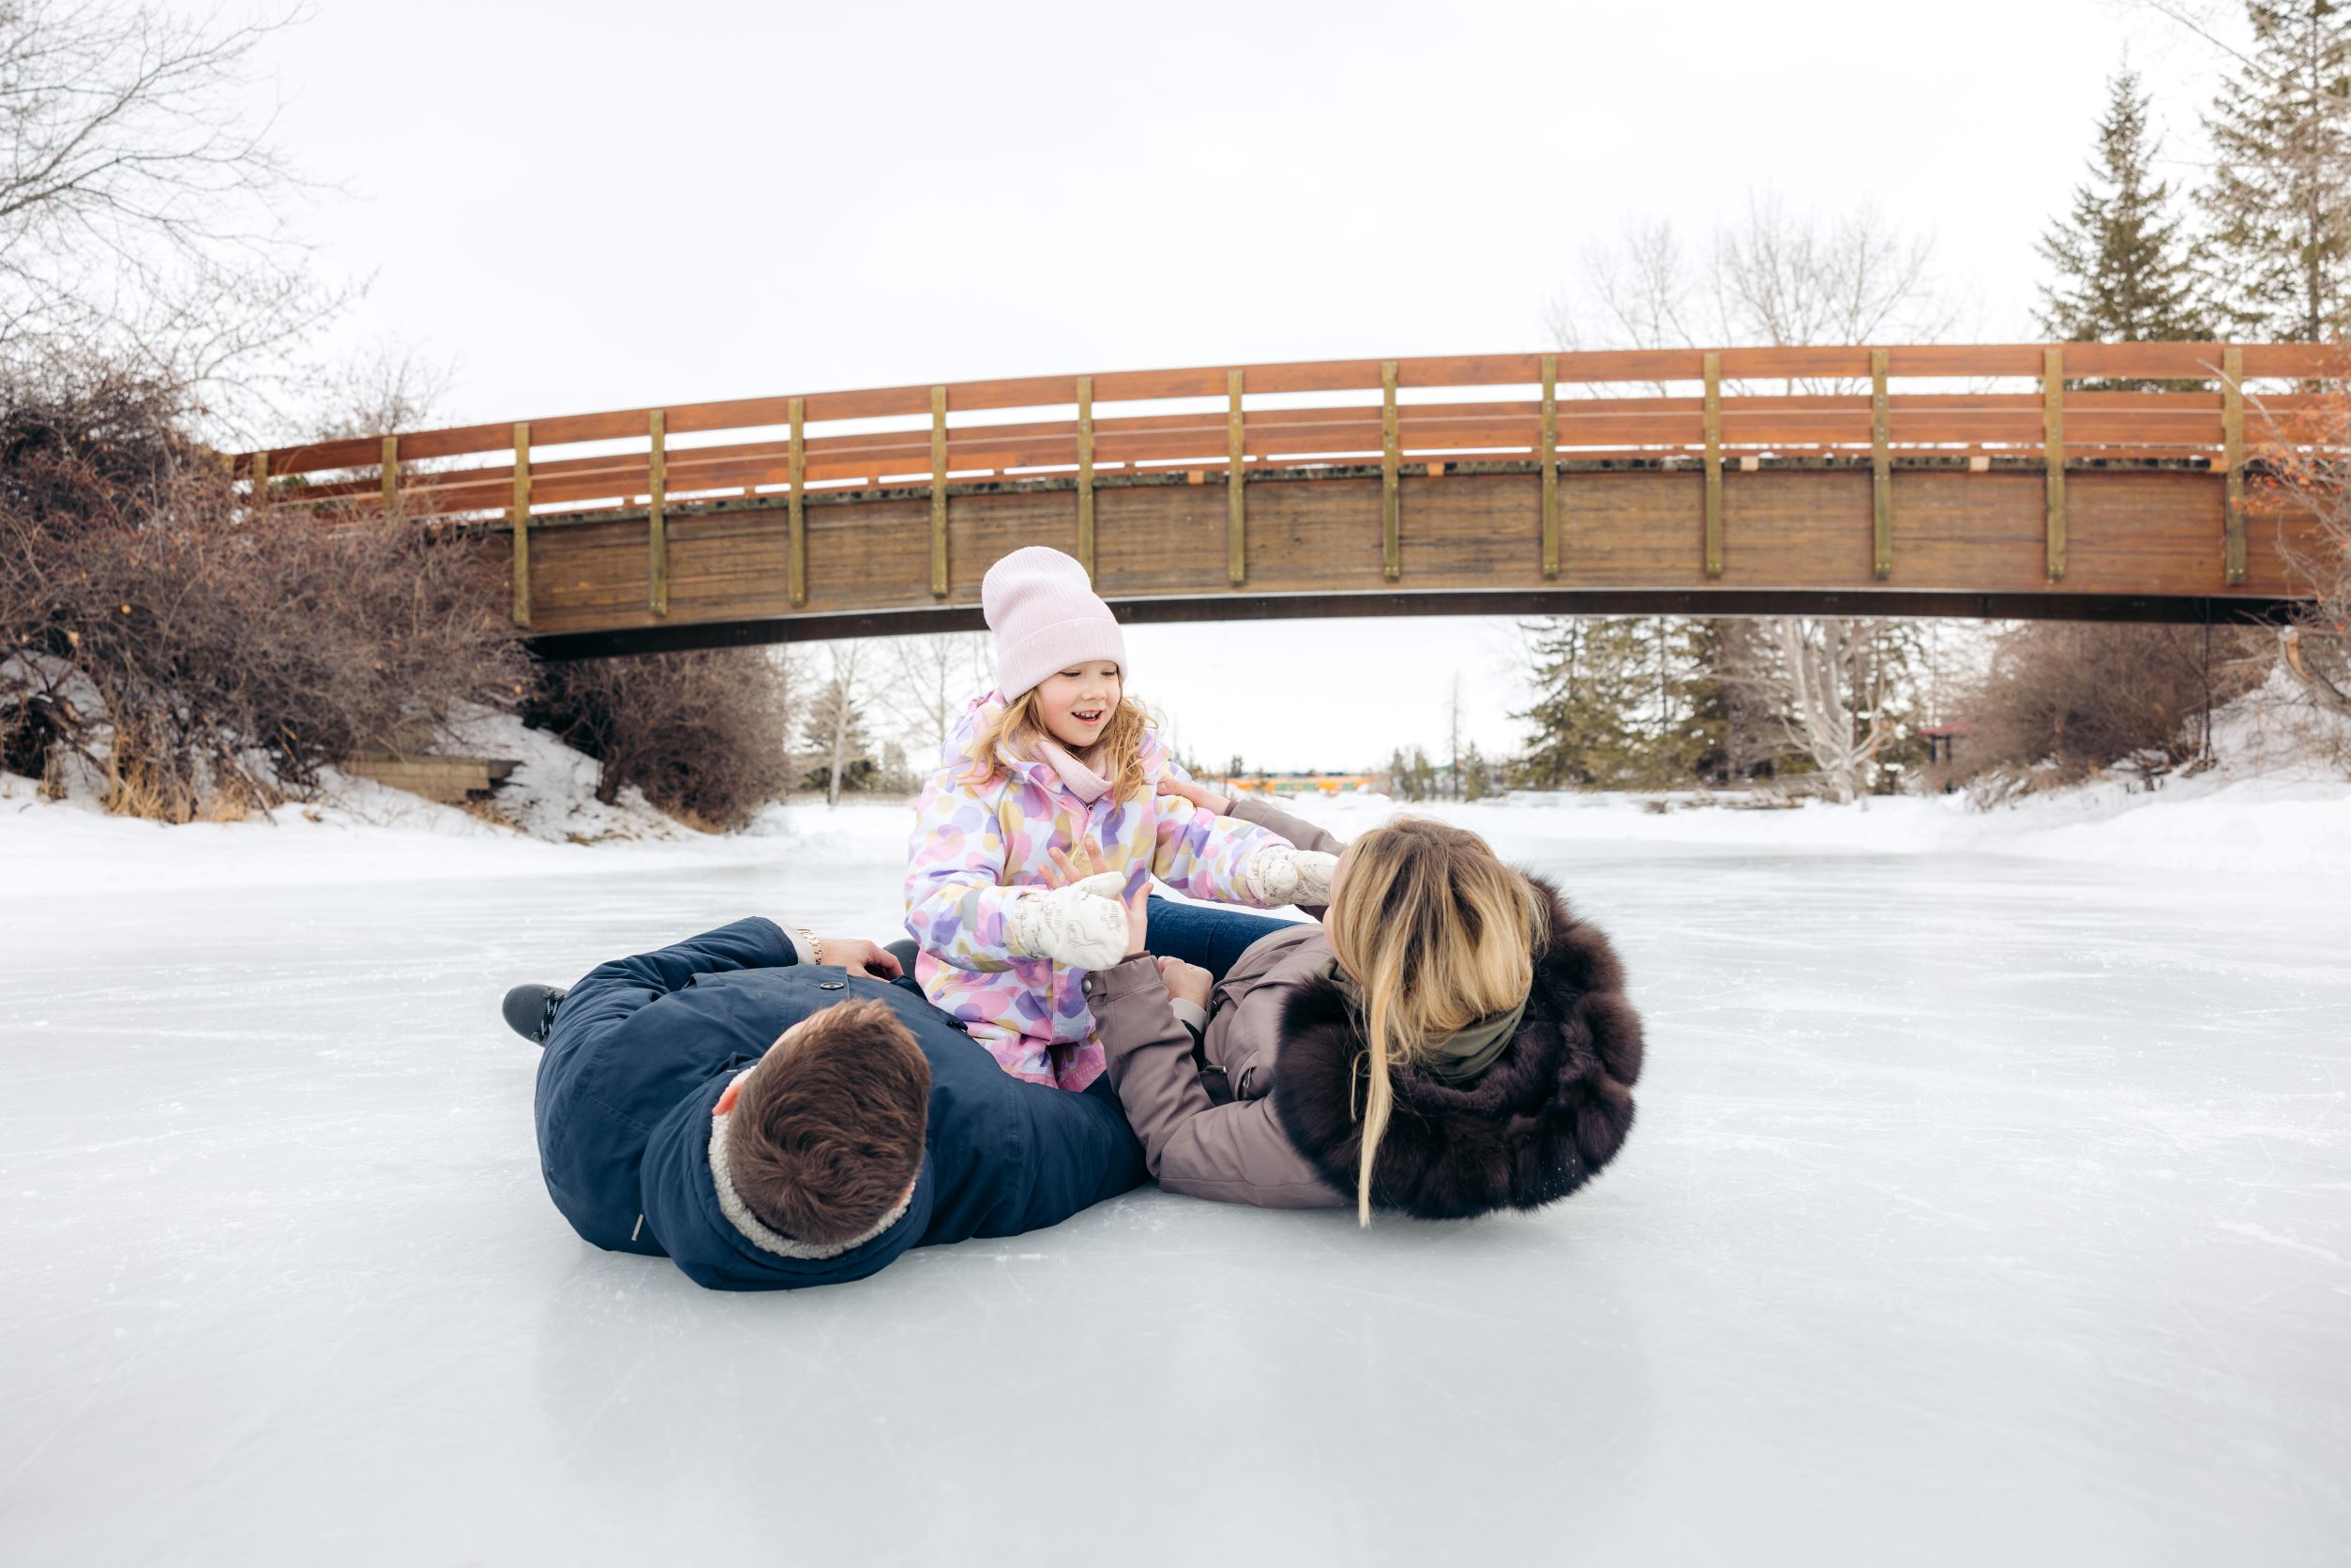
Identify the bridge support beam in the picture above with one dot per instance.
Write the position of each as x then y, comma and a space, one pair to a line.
2053, 448
1236, 507
2233, 461
1391, 460
1085, 474
523, 522
1881, 471
938, 492
1549, 459
1860, 602
1713, 364
796, 504
656, 516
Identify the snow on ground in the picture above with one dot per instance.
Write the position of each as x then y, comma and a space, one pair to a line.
2270, 804
1990, 1200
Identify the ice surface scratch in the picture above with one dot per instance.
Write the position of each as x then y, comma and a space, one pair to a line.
2260, 1233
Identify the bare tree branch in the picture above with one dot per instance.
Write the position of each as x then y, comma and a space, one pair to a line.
143, 206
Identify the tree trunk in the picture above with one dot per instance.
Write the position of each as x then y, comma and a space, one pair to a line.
2323, 692
844, 684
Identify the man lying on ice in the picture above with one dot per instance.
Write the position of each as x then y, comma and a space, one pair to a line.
769, 1121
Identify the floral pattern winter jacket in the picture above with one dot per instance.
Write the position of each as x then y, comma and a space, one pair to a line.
975, 845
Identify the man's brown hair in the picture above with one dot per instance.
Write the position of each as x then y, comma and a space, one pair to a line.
828, 1130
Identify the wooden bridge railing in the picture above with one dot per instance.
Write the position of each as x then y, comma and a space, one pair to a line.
1546, 410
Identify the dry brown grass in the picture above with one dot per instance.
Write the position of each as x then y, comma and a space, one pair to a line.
235, 654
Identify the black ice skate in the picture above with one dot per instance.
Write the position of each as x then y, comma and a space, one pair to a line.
530, 1010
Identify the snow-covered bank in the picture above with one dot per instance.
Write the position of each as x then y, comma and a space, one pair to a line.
375, 835
2270, 804
546, 822
2212, 824
2253, 826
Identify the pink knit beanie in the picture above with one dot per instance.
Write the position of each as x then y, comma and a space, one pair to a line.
1046, 618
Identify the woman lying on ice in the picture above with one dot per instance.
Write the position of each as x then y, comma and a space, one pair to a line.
1449, 1039
1059, 767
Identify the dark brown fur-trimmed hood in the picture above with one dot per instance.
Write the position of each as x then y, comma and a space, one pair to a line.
1553, 1109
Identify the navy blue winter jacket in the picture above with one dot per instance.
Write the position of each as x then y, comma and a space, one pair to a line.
644, 1046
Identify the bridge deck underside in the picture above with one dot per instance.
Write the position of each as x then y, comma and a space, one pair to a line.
2141, 544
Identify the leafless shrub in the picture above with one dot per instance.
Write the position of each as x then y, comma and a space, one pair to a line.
701, 733
231, 654
2302, 481
2068, 698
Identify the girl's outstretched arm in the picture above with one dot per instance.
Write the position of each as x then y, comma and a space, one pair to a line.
1206, 856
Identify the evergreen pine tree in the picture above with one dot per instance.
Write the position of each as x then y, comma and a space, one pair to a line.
1476, 780
2279, 203
1591, 676
2123, 269
1733, 725
1420, 776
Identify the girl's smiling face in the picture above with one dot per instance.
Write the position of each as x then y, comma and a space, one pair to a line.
1077, 702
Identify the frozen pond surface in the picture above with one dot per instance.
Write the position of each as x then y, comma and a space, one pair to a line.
1979, 1209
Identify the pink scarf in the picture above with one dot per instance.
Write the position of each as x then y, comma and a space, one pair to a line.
1085, 784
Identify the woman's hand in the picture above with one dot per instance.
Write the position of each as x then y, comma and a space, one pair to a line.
1198, 794
1187, 981
856, 953
1137, 917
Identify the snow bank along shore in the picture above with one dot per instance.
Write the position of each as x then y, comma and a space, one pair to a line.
2267, 806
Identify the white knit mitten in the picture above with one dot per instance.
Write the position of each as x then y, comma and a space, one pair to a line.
1278, 875
1082, 926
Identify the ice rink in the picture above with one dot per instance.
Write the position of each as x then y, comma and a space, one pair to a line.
1979, 1209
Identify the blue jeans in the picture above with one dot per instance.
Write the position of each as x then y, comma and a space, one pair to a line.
1214, 939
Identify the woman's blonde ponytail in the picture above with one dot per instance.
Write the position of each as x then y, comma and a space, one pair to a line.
1379, 1089
1436, 932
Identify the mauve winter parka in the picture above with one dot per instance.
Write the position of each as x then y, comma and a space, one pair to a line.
1268, 1112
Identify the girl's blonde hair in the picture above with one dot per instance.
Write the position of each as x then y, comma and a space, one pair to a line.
1436, 932
1013, 734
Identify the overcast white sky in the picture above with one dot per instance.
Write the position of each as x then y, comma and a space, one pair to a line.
593, 205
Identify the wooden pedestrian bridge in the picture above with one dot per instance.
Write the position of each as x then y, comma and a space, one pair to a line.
2082, 480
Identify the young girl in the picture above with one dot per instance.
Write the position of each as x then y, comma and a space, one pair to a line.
1058, 771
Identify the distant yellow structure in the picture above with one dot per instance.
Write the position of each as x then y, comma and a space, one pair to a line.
1301, 783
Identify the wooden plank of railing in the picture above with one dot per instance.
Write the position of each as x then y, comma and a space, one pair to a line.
656, 519
2193, 421
522, 561
1713, 367
2110, 425
1881, 471
2297, 361
2052, 445
1236, 515
2186, 361
2233, 469
1391, 458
